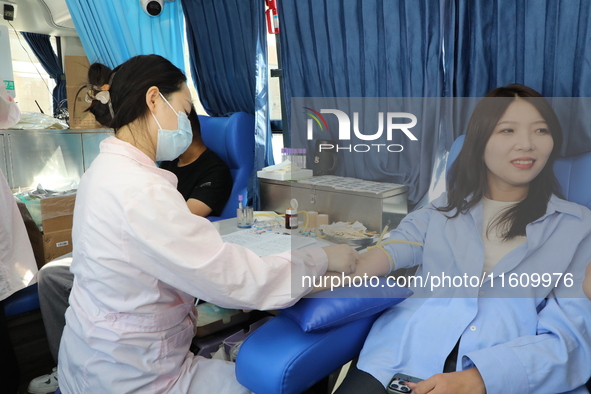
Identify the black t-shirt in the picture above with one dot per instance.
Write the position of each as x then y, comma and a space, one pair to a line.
207, 179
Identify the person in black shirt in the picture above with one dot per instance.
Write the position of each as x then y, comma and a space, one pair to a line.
204, 179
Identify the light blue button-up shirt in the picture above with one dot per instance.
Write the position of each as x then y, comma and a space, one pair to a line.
522, 337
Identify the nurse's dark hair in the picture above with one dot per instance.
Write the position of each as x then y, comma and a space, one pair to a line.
467, 178
195, 124
128, 87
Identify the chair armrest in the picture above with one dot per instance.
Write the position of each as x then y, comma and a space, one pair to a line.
24, 300
313, 338
280, 358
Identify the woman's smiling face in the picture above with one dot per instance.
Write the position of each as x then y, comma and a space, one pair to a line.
516, 152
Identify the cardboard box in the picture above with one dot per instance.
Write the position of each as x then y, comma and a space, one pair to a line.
76, 78
56, 244
56, 219
212, 318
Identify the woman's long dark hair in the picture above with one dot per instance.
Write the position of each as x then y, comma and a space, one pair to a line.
128, 87
467, 180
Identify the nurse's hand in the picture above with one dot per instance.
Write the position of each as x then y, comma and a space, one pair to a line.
341, 258
462, 382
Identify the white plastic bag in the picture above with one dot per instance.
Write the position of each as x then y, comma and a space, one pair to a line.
9, 112
38, 121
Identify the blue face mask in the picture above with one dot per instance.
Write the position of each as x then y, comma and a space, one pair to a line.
171, 143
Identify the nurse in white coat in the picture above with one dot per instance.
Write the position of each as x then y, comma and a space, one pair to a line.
140, 256
17, 270
17, 262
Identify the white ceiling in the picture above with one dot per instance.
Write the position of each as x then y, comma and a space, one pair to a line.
60, 12
43, 16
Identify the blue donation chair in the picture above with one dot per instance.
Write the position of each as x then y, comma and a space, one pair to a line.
306, 342
281, 358
232, 139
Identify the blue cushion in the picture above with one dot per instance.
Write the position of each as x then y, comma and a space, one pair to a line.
24, 300
279, 358
342, 305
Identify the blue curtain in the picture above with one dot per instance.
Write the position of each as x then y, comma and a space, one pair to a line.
228, 53
112, 31
544, 44
439, 48
361, 48
41, 46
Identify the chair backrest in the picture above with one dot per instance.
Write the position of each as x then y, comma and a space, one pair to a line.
232, 139
571, 172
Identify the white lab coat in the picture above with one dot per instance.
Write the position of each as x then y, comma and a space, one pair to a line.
17, 262
140, 257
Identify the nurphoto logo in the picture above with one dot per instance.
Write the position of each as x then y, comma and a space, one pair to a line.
392, 121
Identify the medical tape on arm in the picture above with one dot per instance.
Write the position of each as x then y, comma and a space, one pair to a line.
380, 245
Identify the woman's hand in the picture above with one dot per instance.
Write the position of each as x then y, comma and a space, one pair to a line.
341, 258
462, 382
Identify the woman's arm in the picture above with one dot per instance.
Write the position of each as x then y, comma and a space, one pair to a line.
372, 263
555, 359
404, 246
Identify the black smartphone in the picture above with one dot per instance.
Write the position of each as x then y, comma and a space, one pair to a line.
398, 383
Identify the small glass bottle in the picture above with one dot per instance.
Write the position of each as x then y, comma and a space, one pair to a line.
291, 219
244, 215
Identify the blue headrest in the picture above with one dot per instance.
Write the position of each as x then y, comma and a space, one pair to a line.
573, 175
571, 172
232, 139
